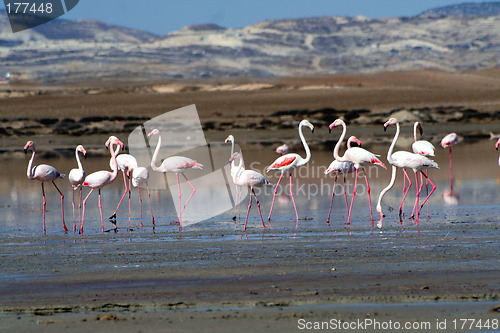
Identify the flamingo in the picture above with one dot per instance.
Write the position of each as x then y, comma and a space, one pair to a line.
425, 148
282, 150
250, 179
405, 159
496, 147
76, 178
288, 162
44, 173
343, 168
359, 157
99, 179
124, 161
177, 165
140, 175
449, 141
234, 173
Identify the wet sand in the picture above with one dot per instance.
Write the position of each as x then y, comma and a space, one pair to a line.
214, 277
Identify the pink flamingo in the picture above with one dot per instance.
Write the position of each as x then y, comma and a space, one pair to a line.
288, 162
282, 150
99, 179
425, 148
177, 165
44, 173
449, 141
496, 147
124, 161
234, 173
405, 159
140, 175
343, 168
359, 157
250, 179
76, 178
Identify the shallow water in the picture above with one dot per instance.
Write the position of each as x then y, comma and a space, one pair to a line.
475, 170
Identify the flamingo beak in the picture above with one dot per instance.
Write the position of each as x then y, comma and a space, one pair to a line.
385, 128
26, 150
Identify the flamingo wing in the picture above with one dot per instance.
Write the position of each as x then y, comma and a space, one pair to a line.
287, 160
361, 156
180, 163
44, 172
423, 147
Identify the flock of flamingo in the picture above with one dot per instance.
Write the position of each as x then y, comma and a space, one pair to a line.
354, 160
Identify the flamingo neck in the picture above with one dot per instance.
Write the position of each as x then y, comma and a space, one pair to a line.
118, 149
155, 155
415, 132
114, 165
240, 168
30, 171
233, 163
80, 167
306, 148
337, 146
391, 148
391, 184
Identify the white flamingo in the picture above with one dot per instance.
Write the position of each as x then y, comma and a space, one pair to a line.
123, 161
177, 165
359, 157
99, 179
234, 173
44, 173
250, 179
140, 176
76, 178
291, 161
341, 168
405, 159
448, 142
282, 150
425, 148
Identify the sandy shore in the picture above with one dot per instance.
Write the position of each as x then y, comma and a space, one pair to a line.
218, 278
215, 278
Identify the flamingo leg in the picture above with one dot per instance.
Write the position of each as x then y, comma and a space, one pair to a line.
260, 212
293, 200
248, 211
192, 193
180, 211
416, 199
80, 203
369, 198
405, 192
432, 191
345, 197
150, 205
451, 174
274, 196
331, 201
100, 210
43, 208
73, 204
129, 195
239, 202
62, 206
352, 199
123, 196
83, 209
140, 201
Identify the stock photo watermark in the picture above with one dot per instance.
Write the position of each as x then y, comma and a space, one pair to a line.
27, 14
201, 183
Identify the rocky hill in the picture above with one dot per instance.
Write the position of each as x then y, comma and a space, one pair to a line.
62, 51
474, 9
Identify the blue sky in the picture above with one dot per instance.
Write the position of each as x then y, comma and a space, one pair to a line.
163, 16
